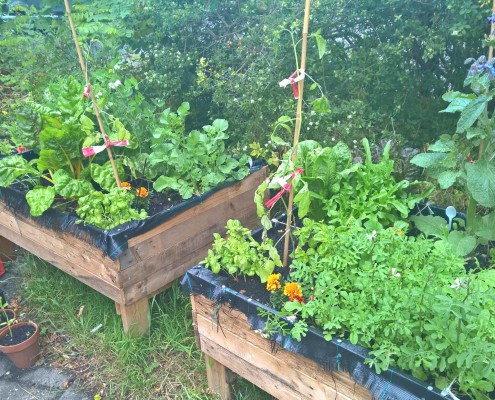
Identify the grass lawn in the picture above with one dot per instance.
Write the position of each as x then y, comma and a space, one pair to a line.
82, 333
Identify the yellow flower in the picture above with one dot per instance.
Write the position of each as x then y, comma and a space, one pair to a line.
141, 192
126, 185
4, 112
273, 282
293, 291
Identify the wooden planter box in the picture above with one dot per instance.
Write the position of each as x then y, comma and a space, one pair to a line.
227, 332
152, 260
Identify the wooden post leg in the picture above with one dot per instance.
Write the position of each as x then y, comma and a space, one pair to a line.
219, 378
7, 249
135, 317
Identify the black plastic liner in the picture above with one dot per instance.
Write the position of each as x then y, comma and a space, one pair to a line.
113, 242
334, 355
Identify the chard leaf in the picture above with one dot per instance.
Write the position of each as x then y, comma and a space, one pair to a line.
69, 187
461, 242
40, 199
426, 160
13, 167
103, 175
431, 226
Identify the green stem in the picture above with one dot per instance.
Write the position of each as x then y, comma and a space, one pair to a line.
471, 212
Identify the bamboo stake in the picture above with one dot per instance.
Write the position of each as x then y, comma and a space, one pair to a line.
297, 128
91, 94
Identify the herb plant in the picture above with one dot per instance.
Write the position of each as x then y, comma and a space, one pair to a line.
240, 253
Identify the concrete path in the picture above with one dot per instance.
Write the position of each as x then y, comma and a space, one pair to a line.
37, 383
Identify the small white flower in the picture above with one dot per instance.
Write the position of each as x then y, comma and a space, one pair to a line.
458, 284
252, 101
371, 236
311, 123
244, 148
117, 83
116, 67
394, 272
333, 139
292, 319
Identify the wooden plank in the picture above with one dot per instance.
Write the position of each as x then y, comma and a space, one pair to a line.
44, 250
7, 249
184, 240
249, 183
135, 317
162, 278
218, 379
303, 378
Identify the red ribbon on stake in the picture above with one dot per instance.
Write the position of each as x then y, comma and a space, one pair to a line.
292, 80
285, 188
92, 150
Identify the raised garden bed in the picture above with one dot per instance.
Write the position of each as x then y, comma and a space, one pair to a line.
227, 325
135, 261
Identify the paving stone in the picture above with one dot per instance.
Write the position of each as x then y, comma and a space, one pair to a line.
45, 376
14, 391
71, 394
5, 366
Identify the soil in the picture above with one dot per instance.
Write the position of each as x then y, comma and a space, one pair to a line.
16, 335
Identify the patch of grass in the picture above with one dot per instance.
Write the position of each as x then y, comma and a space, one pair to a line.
165, 365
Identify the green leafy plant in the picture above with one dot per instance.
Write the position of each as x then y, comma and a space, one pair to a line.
107, 210
465, 160
408, 299
334, 189
195, 162
240, 253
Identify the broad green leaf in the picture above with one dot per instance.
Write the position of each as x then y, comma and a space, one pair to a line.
13, 167
447, 178
303, 201
426, 160
321, 44
165, 182
40, 199
183, 109
484, 227
321, 105
69, 187
481, 182
221, 124
104, 176
431, 226
472, 112
445, 144
461, 242
458, 101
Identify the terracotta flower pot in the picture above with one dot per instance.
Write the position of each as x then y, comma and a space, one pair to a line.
25, 353
7, 316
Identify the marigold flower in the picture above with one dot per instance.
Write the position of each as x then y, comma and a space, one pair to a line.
126, 185
142, 192
273, 282
293, 291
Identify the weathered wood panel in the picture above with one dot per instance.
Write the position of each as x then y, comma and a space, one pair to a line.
286, 375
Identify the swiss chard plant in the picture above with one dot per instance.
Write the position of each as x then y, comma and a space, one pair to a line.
192, 162
57, 131
465, 159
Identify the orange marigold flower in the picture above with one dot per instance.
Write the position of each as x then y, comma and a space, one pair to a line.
142, 192
126, 185
300, 299
292, 291
273, 282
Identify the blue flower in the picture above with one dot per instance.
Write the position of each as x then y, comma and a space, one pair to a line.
491, 19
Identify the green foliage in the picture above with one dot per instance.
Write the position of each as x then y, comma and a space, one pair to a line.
195, 162
333, 189
464, 160
241, 254
107, 210
410, 300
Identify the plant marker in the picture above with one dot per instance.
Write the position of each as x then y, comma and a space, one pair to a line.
2, 268
297, 128
89, 93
